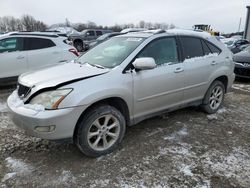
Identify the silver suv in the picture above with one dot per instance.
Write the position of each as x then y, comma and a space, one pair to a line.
121, 82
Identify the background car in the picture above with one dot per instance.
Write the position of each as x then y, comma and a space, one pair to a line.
24, 51
234, 44
103, 38
242, 65
81, 40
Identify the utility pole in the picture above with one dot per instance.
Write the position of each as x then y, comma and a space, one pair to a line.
239, 25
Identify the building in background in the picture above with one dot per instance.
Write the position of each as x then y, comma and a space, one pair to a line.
247, 27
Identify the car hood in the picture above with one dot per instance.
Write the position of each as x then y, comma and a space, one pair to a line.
59, 74
243, 57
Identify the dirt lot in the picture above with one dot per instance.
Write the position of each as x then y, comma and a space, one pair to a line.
186, 148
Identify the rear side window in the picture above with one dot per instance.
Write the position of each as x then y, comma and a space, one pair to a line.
213, 48
192, 47
37, 43
206, 50
98, 33
163, 50
11, 44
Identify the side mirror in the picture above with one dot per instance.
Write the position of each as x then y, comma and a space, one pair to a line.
144, 63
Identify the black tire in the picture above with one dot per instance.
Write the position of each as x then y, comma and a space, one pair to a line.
86, 124
206, 105
79, 46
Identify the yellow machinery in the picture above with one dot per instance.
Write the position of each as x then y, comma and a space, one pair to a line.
206, 28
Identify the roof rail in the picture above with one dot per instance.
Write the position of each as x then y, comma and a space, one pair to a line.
35, 34
154, 31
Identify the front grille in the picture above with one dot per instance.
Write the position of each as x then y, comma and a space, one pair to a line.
245, 64
22, 90
242, 72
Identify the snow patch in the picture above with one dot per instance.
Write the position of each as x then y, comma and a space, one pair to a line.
241, 87
205, 185
100, 183
175, 136
183, 132
18, 168
3, 107
186, 170
234, 165
222, 110
212, 117
66, 178
8, 176
200, 58
16, 102
174, 150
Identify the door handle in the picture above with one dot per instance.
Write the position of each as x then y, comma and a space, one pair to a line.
178, 70
20, 57
213, 63
55, 52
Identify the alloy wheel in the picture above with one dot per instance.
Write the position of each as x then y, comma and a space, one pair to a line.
103, 132
216, 97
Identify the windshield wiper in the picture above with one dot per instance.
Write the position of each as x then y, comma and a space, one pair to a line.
98, 66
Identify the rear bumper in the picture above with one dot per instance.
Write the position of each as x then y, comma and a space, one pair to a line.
64, 121
230, 82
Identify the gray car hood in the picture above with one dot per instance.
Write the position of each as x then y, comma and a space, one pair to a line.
243, 57
59, 74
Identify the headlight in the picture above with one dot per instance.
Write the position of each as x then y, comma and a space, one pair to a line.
51, 99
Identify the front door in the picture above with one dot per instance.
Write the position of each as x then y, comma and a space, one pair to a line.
161, 87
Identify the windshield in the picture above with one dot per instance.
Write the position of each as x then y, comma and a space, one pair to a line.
111, 53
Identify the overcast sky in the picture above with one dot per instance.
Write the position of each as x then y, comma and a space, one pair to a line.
222, 15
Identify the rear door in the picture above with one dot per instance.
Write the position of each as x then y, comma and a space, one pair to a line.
161, 87
41, 52
198, 65
13, 60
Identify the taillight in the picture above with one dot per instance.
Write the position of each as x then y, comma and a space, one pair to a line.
74, 51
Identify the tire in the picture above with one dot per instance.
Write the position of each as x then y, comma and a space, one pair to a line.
95, 125
79, 46
216, 93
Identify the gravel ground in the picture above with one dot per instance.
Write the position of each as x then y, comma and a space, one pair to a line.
186, 148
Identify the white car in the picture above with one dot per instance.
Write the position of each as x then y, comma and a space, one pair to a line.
24, 51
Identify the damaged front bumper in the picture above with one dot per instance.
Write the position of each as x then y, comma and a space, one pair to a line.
47, 124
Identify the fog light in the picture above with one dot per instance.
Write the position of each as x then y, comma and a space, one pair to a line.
49, 128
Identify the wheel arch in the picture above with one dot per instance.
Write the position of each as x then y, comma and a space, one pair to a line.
224, 80
117, 102
77, 40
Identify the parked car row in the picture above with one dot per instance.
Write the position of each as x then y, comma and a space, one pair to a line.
235, 44
242, 63
25, 51
82, 39
118, 83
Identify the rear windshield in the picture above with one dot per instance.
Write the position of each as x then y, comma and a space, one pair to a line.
111, 53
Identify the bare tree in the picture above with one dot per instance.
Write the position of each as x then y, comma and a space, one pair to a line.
30, 24
142, 24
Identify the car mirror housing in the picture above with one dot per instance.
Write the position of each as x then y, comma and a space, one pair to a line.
144, 63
